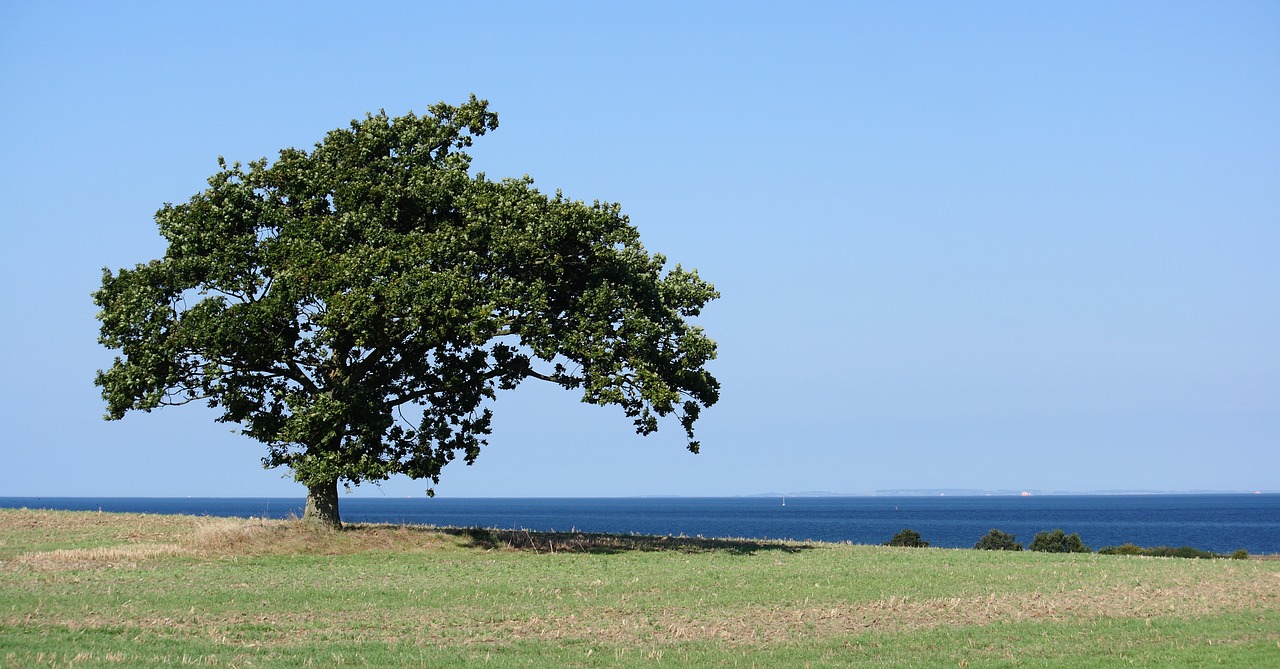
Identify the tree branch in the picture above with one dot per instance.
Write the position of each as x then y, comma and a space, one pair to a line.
301, 377
563, 380
291, 372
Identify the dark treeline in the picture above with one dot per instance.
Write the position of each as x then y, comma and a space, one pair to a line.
1059, 541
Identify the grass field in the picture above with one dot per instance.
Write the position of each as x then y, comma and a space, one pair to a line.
119, 590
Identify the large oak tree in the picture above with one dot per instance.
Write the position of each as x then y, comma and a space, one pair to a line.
357, 306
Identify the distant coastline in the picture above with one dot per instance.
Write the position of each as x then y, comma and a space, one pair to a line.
1024, 492
891, 492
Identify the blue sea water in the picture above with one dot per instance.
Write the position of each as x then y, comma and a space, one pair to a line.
1220, 523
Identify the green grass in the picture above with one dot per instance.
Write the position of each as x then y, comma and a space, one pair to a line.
88, 590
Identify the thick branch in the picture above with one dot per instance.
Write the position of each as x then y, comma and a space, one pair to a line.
558, 379
291, 372
301, 377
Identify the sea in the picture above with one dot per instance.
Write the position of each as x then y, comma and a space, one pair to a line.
1221, 523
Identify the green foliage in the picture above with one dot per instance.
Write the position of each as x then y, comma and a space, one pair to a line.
357, 306
1058, 541
1122, 549
1166, 551
909, 538
995, 540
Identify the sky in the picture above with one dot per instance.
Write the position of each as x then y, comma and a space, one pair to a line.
991, 245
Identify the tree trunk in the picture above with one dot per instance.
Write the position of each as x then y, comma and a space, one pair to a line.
322, 505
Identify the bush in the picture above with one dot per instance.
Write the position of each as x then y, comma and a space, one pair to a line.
995, 540
909, 538
1240, 554
1058, 541
1122, 549
1181, 552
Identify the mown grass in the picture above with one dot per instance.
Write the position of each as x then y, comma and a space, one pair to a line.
86, 589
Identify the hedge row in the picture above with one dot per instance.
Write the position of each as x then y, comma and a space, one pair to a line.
1058, 541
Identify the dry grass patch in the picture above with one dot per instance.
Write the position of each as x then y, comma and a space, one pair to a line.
1227, 592
30, 530
130, 555
1233, 592
220, 537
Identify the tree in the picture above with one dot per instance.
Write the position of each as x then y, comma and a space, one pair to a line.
909, 538
1058, 541
995, 540
356, 307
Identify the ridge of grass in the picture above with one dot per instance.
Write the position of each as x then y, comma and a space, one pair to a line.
92, 589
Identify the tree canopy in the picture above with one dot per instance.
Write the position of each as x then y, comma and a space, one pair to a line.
995, 540
357, 306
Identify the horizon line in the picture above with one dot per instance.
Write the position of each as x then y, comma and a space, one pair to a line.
895, 492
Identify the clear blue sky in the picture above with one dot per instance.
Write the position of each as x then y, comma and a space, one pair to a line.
976, 245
